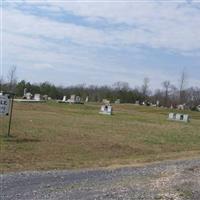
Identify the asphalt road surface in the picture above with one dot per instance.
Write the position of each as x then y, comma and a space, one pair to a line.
170, 180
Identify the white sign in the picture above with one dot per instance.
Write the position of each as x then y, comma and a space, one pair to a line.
4, 105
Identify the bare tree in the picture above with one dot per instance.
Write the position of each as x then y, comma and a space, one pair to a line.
174, 94
12, 78
166, 86
182, 86
121, 85
145, 86
193, 96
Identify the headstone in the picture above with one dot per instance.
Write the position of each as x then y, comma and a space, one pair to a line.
172, 116
105, 101
198, 108
147, 103
87, 99
45, 97
157, 103
28, 96
37, 97
64, 98
106, 110
182, 117
117, 101
77, 99
181, 107
186, 118
73, 98
179, 117
137, 102
25, 91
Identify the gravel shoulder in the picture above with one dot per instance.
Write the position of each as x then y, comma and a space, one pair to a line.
172, 180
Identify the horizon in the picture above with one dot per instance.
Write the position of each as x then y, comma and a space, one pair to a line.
100, 43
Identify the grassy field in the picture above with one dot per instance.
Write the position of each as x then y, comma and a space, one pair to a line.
59, 136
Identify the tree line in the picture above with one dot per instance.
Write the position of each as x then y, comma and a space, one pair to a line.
167, 96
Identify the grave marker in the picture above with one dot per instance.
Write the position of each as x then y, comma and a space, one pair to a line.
106, 110
179, 117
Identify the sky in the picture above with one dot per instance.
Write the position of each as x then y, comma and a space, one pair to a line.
101, 42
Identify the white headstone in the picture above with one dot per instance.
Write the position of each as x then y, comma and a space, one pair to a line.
106, 109
77, 99
87, 99
109, 109
179, 117
64, 98
117, 101
73, 97
102, 108
186, 118
25, 91
28, 95
172, 116
37, 97
181, 107
137, 102
45, 97
105, 101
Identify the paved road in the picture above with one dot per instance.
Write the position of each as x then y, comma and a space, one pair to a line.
172, 180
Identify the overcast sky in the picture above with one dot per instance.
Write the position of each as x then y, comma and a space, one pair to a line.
93, 42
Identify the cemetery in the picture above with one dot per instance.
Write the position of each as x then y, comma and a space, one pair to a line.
94, 95
30, 98
56, 136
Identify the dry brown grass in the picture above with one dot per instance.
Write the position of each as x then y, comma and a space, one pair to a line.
57, 136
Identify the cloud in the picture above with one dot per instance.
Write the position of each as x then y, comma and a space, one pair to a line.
39, 36
29, 25
172, 26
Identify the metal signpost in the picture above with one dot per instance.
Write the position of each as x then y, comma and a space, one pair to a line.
6, 106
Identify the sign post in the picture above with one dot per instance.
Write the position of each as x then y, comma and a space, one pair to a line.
6, 107
12, 99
